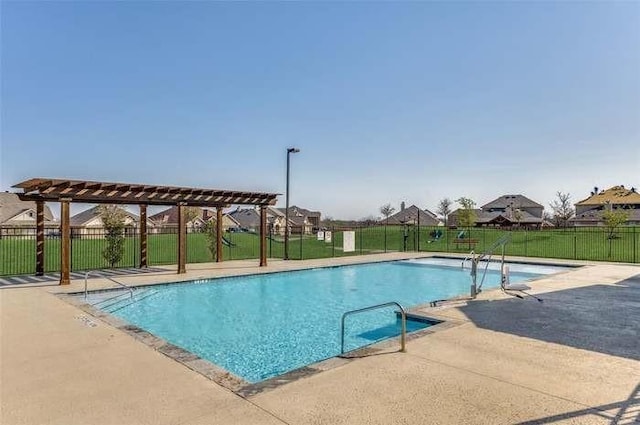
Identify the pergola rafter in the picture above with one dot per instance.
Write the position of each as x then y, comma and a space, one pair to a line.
65, 191
52, 190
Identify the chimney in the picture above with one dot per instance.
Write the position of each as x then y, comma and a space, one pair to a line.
402, 206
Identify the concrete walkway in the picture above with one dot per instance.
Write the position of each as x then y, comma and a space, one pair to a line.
573, 359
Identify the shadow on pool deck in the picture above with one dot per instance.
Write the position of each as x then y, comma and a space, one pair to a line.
601, 318
625, 412
54, 278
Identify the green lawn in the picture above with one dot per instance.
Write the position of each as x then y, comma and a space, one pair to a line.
17, 254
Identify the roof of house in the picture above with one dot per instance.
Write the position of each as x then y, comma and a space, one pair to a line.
411, 214
483, 217
295, 210
595, 215
616, 195
11, 206
247, 217
231, 219
170, 215
275, 211
86, 216
516, 201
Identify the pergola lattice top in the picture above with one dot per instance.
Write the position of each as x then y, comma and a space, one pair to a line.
43, 189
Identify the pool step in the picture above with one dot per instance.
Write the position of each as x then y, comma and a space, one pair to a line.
122, 303
112, 300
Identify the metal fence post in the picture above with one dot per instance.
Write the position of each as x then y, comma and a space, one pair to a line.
70, 251
575, 243
333, 241
526, 242
385, 237
635, 252
418, 235
301, 233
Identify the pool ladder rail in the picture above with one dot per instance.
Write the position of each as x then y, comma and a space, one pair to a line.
403, 314
486, 256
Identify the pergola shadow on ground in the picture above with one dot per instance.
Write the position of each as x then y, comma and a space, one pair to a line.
48, 278
65, 192
607, 316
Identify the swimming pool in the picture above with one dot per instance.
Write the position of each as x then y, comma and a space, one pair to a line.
262, 326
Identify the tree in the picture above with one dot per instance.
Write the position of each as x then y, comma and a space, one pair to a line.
386, 210
210, 229
467, 215
612, 219
562, 209
113, 220
444, 209
517, 215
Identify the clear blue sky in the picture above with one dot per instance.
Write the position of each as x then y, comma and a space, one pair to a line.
387, 101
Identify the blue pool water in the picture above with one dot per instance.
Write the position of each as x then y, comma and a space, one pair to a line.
264, 325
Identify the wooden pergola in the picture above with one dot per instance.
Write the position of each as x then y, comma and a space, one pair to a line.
43, 190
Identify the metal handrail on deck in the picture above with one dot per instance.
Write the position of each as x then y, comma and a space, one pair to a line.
373, 307
86, 276
471, 257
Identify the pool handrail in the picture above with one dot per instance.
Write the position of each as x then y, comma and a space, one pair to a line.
486, 256
373, 307
86, 276
467, 258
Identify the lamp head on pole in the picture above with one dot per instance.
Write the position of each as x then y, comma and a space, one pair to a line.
293, 150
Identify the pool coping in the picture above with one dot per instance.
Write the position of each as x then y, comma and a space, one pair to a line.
246, 389
235, 383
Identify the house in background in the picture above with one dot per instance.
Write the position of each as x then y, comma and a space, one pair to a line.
228, 222
168, 219
301, 219
19, 217
89, 223
276, 220
249, 219
412, 215
506, 211
589, 211
246, 218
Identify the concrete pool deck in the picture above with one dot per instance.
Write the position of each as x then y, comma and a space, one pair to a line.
573, 359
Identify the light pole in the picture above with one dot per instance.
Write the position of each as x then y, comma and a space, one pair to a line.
286, 210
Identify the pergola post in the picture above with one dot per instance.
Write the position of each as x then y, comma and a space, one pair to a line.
39, 238
65, 242
182, 239
263, 235
218, 234
143, 236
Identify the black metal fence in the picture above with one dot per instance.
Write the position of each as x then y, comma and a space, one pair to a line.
18, 246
